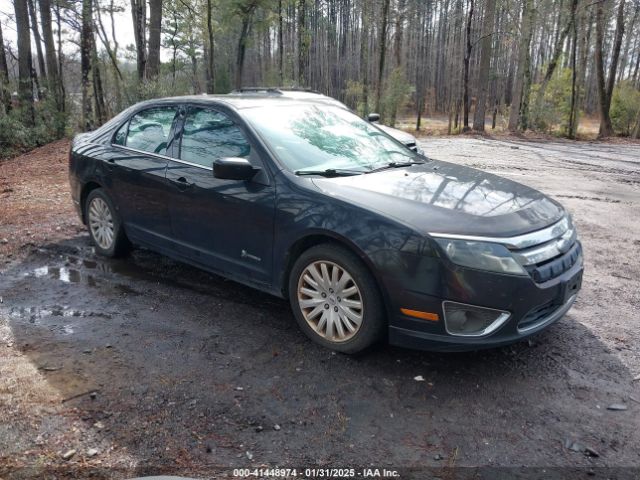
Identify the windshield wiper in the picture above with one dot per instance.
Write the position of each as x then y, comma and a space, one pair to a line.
329, 172
395, 165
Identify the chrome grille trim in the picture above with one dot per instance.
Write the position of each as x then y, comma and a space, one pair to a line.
546, 251
518, 242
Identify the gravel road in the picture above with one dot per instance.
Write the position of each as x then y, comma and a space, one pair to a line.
143, 365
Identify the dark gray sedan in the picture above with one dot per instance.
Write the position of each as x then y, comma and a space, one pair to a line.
305, 200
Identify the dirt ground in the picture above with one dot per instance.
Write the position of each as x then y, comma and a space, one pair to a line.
110, 369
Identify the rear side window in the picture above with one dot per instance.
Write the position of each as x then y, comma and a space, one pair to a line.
149, 130
209, 135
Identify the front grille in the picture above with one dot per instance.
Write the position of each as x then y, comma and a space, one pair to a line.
553, 251
537, 316
557, 266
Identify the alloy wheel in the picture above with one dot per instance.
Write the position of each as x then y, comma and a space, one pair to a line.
101, 223
330, 301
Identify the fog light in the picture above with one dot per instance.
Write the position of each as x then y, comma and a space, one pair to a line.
471, 321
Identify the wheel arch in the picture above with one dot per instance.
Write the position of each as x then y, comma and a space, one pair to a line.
84, 193
312, 239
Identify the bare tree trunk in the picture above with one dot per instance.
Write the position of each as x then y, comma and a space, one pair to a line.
61, 88
605, 91
615, 56
494, 115
420, 68
242, 47
139, 15
195, 84
280, 45
112, 53
586, 20
382, 45
557, 51
399, 33
53, 74
485, 60
624, 61
635, 69
98, 91
364, 59
155, 25
465, 81
25, 80
86, 51
636, 131
5, 91
524, 66
572, 123
210, 58
37, 40
303, 44
174, 51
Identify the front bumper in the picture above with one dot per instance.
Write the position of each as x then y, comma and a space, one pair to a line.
449, 343
533, 306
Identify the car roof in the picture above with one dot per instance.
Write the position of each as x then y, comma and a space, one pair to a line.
254, 97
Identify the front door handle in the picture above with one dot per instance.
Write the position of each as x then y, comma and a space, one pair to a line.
183, 183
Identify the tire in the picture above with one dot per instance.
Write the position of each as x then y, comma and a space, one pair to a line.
104, 225
328, 306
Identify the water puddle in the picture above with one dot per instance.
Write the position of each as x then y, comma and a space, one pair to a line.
77, 270
143, 265
34, 314
64, 274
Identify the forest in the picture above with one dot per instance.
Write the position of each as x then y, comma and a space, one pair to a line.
478, 65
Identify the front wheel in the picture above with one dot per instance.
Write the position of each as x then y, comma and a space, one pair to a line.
105, 226
335, 299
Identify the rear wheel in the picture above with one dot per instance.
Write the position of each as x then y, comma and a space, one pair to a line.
335, 299
105, 226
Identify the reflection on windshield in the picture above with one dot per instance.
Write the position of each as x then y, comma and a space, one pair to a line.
316, 138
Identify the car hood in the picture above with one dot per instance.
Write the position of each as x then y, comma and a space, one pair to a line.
441, 197
399, 135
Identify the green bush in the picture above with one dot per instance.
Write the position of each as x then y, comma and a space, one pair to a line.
16, 138
553, 109
625, 105
353, 95
396, 96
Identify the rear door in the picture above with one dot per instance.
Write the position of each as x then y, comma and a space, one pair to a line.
226, 225
138, 170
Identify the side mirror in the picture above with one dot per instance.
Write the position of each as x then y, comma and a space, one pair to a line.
233, 169
373, 117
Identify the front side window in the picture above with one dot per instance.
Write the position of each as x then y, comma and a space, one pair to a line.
209, 135
149, 130
121, 135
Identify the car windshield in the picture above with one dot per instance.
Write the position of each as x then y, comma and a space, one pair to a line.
317, 138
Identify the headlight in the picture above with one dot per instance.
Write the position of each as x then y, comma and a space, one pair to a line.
481, 255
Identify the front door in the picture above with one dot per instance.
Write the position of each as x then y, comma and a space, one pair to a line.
225, 225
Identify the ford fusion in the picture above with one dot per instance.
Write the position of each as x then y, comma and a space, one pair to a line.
365, 237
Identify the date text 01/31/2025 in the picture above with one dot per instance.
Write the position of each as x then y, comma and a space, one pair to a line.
316, 472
